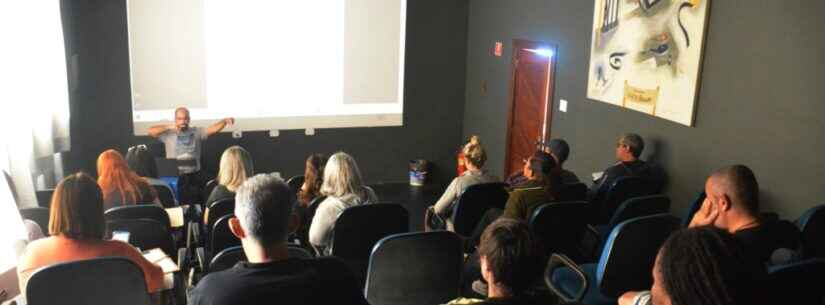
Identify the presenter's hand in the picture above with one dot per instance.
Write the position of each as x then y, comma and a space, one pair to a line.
229, 121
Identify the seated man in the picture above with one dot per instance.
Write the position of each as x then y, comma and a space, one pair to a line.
628, 150
509, 263
559, 150
263, 211
732, 204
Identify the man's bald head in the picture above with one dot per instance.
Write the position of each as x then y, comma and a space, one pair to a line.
739, 184
182, 118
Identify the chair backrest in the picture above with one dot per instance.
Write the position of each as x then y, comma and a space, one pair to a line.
145, 234
107, 280
139, 211
38, 215
207, 189
219, 209
359, 228
227, 258
44, 197
620, 191
694, 207
573, 192
165, 196
559, 227
298, 252
638, 207
630, 252
221, 237
812, 226
800, 282
474, 202
433, 259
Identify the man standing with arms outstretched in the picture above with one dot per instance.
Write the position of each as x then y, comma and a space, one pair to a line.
184, 143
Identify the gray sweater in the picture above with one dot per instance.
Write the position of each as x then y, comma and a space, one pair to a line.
323, 224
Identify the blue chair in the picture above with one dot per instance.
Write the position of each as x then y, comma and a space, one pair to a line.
620, 191
139, 211
559, 228
415, 268
800, 282
295, 183
624, 265
633, 208
574, 192
694, 207
812, 226
107, 280
474, 202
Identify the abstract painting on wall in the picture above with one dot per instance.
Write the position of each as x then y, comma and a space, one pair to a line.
646, 55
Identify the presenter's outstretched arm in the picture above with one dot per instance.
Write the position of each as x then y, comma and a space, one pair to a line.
218, 126
157, 130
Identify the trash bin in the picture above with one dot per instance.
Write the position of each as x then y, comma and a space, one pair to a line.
418, 172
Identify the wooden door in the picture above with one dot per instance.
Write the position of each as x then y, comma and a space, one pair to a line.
529, 110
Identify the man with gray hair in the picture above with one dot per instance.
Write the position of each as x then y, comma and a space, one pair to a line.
629, 148
263, 220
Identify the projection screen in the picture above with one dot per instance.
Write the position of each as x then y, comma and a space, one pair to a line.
272, 65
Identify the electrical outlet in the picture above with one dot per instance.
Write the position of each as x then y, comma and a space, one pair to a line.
274, 133
237, 134
310, 131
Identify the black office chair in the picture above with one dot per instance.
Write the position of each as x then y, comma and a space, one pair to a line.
139, 211
799, 283
694, 207
633, 208
38, 215
812, 226
474, 202
108, 280
625, 263
620, 191
166, 196
145, 234
207, 189
221, 236
359, 228
219, 209
227, 258
559, 228
433, 263
44, 197
573, 192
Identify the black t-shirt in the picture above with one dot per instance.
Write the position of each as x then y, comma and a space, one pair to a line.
291, 281
220, 192
761, 241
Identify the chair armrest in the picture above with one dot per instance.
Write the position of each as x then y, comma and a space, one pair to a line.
193, 235
203, 263
183, 258
560, 260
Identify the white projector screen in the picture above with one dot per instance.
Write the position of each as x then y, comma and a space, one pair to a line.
272, 65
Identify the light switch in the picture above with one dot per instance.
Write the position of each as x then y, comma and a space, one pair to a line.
563, 105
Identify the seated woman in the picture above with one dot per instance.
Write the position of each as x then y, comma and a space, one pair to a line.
703, 266
235, 167
344, 188
474, 158
310, 190
142, 162
77, 227
120, 185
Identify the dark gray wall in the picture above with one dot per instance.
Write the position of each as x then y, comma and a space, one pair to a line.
433, 106
760, 104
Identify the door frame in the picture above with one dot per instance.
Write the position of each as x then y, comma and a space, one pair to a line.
549, 92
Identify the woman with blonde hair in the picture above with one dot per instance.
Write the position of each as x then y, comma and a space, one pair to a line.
77, 230
235, 167
474, 158
344, 188
119, 184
